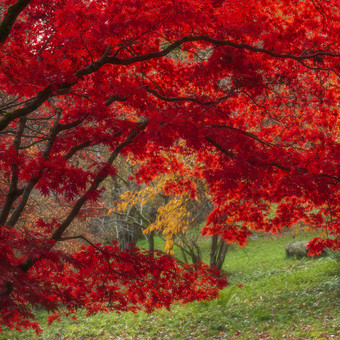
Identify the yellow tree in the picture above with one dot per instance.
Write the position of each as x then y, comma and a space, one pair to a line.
172, 205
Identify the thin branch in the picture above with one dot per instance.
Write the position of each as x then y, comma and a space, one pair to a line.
77, 148
246, 133
32, 144
260, 106
219, 147
177, 99
320, 68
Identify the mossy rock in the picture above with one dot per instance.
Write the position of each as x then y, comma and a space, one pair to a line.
297, 248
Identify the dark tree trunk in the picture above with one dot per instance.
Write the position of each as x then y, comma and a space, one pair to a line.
218, 252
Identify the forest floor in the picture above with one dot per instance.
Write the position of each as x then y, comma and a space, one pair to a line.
279, 298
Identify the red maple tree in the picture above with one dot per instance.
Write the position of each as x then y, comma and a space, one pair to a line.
250, 87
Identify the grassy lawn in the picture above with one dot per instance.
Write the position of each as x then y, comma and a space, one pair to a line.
281, 298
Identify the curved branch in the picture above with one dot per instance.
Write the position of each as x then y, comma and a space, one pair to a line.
7, 23
176, 99
176, 44
209, 103
28, 108
246, 133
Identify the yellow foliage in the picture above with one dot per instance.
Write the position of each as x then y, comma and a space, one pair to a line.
175, 213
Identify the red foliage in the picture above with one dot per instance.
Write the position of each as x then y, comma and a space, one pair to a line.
250, 87
317, 245
98, 278
179, 187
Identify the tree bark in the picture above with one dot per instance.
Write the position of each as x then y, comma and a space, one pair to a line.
218, 252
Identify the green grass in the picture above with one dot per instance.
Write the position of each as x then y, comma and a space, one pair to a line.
281, 298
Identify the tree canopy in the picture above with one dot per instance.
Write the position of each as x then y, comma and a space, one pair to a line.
250, 88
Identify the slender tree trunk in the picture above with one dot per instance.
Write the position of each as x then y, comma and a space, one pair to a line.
151, 241
218, 252
223, 248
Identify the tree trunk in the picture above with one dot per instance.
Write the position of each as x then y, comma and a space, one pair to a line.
218, 252
151, 241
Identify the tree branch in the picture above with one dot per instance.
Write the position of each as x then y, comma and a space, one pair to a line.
107, 59
7, 23
246, 133
101, 175
273, 164
219, 147
77, 148
13, 189
176, 44
28, 108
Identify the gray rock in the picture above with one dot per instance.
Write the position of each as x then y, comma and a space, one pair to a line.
297, 248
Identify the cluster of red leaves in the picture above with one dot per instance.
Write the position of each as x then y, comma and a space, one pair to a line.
15, 247
179, 187
97, 278
317, 245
